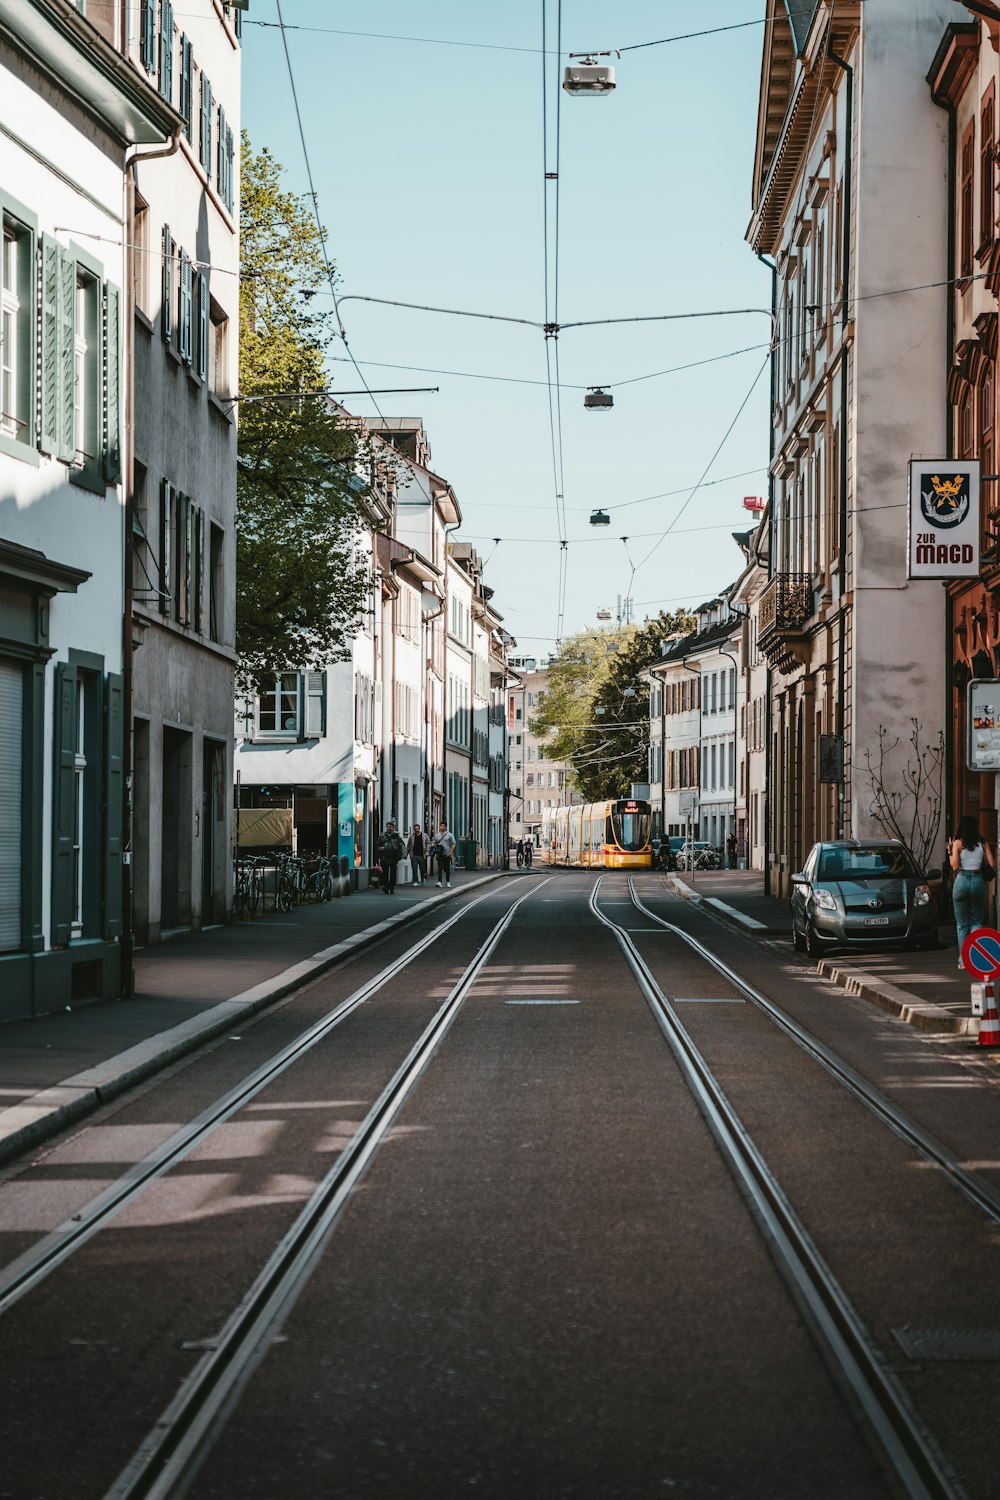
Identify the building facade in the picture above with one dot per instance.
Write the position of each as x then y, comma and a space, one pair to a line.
537, 781
847, 145
183, 329
73, 115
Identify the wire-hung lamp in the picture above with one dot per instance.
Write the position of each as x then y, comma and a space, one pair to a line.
598, 399
600, 518
589, 78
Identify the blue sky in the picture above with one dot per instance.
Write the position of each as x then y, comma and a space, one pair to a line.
428, 166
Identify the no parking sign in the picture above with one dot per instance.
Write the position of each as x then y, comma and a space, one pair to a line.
981, 953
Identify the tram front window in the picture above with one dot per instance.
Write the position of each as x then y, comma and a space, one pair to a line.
631, 830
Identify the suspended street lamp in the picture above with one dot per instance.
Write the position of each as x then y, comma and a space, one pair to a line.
586, 77
600, 518
598, 399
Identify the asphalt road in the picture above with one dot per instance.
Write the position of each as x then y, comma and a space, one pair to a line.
547, 1281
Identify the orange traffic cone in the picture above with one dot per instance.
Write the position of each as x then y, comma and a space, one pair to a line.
989, 1026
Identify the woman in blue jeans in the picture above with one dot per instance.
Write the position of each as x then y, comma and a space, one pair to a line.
968, 855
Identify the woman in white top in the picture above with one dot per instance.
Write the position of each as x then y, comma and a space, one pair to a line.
967, 855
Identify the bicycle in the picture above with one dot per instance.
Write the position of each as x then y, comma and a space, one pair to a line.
247, 886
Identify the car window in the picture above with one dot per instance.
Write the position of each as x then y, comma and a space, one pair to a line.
865, 864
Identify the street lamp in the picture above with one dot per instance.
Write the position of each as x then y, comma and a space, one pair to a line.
587, 78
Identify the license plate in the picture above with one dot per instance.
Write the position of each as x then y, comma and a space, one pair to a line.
876, 921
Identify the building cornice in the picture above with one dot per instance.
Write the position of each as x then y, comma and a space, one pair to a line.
55, 38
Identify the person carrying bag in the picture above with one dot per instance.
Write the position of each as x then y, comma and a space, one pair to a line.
972, 860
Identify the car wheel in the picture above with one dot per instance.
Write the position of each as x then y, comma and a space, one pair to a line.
813, 946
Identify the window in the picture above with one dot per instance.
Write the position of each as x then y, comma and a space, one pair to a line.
218, 351
167, 306
11, 762
166, 57
187, 84
986, 436
185, 307
86, 374
140, 254
965, 213
278, 707
147, 34
17, 321
216, 543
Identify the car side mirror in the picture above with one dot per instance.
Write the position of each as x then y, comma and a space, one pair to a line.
799, 878
934, 874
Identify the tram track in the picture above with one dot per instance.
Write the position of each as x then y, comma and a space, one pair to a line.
30, 1269
168, 1459
906, 1444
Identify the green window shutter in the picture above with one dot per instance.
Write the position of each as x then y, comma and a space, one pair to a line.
206, 125
148, 35
187, 82
112, 790
198, 607
67, 357
185, 314
112, 386
203, 324
166, 540
229, 169
220, 166
167, 50
167, 313
63, 803
49, 361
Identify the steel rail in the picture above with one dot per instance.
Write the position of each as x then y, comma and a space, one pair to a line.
981, 1193
28, 1270
907, 1447
171, 1453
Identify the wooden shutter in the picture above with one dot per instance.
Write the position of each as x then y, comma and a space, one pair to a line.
198, 600
205, 154
184, 315
49, 363
314, 692
67, 357
166, 541
63, 803
187, 82
220, 166
148, 41
167, 311
167, 50
229, 169
112, 791
112, 386
203, 325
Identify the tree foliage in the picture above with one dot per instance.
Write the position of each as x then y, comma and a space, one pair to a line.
595, 714
300, 577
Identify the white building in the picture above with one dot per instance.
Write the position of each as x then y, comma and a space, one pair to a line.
72, 114
536, 780
183, 329
753, 784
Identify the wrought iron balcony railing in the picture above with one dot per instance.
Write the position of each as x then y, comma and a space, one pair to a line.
785, 605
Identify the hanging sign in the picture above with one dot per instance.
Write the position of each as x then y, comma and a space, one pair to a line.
944, 518
984, 726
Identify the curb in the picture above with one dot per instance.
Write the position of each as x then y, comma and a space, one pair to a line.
43, 1115
725, 911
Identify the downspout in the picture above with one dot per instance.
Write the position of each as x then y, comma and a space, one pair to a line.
127, 984
845, 281
949, 108
770, 555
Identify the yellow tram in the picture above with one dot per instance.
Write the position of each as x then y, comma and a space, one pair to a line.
611, 835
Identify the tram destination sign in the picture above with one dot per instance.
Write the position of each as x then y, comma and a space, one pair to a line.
943, 539
984, 726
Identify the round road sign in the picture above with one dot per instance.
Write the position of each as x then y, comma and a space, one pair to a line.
981, 953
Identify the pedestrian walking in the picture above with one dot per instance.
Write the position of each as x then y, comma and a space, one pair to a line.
389, 851
444, 849
415, 849
974, 864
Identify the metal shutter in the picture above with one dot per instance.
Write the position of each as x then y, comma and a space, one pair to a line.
11, 715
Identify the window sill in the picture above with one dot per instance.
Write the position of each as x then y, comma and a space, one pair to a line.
16, 449
87, 479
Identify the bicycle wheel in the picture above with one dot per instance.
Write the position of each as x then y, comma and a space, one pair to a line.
282, 894
253, 894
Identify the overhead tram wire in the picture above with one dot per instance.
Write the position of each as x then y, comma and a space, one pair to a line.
319, 223
550, 271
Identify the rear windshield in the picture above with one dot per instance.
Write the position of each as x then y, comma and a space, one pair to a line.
846, 864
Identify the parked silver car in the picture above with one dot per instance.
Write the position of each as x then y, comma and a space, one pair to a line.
862, 891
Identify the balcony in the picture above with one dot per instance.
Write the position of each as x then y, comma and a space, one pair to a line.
785, 607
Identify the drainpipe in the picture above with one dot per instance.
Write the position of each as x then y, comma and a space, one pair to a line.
949, 108
127, 984
845, 309
736, 732
770, 555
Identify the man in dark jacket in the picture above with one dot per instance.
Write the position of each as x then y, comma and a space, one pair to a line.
389, 851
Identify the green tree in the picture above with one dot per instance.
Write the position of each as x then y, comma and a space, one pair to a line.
595, 714
301, 579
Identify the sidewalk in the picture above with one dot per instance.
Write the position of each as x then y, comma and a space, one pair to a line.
925, 988
192, 987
